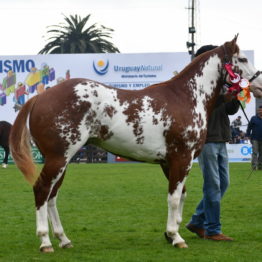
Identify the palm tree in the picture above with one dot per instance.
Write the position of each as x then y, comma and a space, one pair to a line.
72, 37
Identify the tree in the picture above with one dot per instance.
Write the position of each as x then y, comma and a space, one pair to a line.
72, 37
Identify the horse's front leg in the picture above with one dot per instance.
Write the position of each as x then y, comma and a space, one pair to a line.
181, 206
176, 197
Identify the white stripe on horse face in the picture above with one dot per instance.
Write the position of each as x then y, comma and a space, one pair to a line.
148, 144
248, 70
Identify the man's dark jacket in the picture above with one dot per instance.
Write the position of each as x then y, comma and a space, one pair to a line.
218, 126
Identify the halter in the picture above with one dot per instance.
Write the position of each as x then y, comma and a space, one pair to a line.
238, 84
228, 62
254, 76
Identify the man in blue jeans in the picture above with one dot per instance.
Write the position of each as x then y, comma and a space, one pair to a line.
213, 162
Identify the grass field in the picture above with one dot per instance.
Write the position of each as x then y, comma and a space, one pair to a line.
118, 212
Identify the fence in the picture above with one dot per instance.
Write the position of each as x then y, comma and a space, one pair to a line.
37, 156
91, 154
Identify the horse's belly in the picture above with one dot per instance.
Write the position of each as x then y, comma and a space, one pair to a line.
148, 153
149, 146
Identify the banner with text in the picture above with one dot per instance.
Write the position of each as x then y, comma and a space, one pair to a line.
21, 77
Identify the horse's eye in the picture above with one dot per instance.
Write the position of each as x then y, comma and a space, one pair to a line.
242, 60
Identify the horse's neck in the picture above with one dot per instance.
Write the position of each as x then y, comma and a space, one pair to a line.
206, 81
201, 82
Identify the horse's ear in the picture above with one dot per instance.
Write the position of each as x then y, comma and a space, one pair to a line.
235, 38
233, 45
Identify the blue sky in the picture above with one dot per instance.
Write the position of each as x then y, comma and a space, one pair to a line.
140, 25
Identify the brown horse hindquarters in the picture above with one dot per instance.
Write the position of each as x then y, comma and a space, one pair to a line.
54, 121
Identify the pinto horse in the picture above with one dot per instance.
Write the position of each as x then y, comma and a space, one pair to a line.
5, 129
164, 124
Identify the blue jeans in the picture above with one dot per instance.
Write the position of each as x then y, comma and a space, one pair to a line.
213, 161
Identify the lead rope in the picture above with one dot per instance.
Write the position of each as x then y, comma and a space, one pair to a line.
243, 111
251, 172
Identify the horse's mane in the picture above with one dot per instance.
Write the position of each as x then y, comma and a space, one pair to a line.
192, 64
228, 48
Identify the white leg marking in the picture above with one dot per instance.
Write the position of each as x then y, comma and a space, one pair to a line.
42, 226
175, 206
56, 224
180, 208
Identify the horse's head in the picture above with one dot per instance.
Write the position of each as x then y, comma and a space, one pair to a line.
246, 69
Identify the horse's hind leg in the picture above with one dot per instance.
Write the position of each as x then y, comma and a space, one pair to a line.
54, 217
51, 173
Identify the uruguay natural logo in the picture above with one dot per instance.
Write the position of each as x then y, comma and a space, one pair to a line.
101, 66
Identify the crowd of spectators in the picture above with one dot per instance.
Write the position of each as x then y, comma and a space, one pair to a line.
238, 135
90, 154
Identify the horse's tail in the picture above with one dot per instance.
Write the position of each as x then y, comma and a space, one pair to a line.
20, 143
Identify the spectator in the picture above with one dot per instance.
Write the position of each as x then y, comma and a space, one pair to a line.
237, 123
254, 132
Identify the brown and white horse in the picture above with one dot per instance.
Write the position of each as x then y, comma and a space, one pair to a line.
164, 124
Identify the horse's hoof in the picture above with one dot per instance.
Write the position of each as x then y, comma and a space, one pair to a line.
68, 245
178, 245
168, 238
181, 245
47, 249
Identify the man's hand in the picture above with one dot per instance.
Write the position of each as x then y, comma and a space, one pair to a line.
230, 96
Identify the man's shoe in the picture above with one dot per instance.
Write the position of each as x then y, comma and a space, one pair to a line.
218, 237
197, 230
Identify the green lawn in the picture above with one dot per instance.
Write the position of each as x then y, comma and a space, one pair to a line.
118, 212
